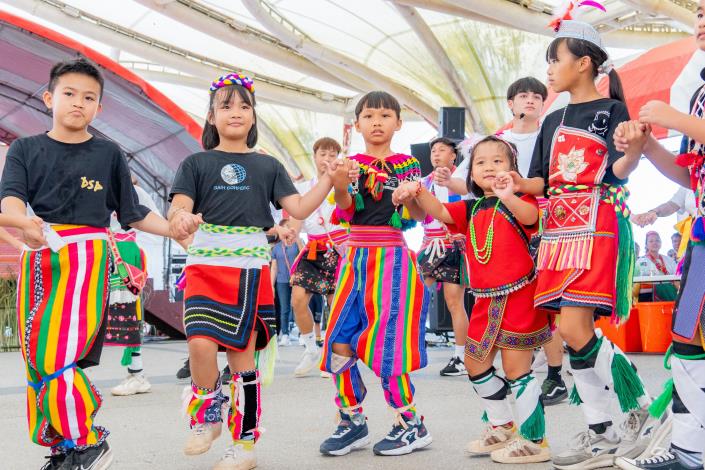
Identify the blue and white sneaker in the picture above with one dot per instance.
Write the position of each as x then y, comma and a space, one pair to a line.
404, 438
350, 434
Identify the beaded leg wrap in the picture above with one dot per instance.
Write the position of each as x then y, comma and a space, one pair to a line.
246, 407
205, 405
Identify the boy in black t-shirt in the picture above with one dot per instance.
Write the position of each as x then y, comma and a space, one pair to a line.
74, 182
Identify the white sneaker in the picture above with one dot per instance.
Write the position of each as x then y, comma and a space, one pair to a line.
588, 450
308, 362
284, 340
132, 385
326, 375
237, 457
521, 451
201, 438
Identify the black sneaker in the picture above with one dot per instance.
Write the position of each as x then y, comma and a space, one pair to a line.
455, 368
184, 372
226, 376
54, 461
662, 460
319, 342
350, 434
93, 458
404, 439
553, 392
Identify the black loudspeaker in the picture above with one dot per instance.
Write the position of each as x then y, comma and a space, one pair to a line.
422, 152
452, 123
439, 317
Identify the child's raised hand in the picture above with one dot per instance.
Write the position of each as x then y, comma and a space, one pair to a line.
441, 176
658, 113
404, 193
503, 185
339, 171
353, 170
633, 135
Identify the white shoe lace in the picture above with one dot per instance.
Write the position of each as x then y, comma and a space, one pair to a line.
518, 445
660, 455
234, 452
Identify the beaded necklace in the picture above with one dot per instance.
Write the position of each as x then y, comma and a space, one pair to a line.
482, 255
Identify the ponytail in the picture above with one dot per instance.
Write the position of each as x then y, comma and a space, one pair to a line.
616, 89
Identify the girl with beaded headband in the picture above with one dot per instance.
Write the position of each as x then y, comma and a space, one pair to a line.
228, 300
586, 257
378, 314
686, 357
499, 225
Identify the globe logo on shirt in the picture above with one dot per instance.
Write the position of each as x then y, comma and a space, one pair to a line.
233, 173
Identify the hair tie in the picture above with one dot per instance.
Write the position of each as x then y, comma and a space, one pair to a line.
606, 67
233, 78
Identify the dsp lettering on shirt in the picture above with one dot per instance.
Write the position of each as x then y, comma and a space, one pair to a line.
91, 185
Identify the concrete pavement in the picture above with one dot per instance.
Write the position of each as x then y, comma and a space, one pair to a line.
148, 431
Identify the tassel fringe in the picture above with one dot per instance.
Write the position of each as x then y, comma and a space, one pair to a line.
534, 428
265, 361
659, 405
627, 384
574, 398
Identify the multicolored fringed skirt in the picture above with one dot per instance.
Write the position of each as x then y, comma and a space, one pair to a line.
506, 321
61, 302
689, 312
582, 274
442, 257
125, 311
380, 303
228, 294
315, 267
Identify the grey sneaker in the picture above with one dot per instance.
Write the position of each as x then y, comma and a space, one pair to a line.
587, 450
640, 432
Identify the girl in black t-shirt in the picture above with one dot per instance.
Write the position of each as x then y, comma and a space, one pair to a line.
586, 258
223, 195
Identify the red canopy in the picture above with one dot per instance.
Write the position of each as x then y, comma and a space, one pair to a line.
154, 133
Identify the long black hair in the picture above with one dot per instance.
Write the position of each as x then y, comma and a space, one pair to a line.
510, 151
582, 48
210, 137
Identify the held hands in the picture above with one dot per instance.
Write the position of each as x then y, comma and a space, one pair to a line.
647, 218
343, 171
32, 232
405, 192
503, 185
441, 176
183, 224
630, 137
285, 234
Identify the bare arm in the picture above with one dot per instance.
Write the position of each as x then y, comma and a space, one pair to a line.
415, 211
154, 224
8, 238
665, 163
301, 206
533, 186
428, 203
14, 214
458, 186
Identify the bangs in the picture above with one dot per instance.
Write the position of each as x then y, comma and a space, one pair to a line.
227, 93
378, 100
552, 51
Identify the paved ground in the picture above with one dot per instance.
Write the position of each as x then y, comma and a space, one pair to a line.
148, 430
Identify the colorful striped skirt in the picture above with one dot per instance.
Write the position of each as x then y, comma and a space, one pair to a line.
380, 303
61, 302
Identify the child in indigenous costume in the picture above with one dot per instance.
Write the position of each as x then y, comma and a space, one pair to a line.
74, 182
314, 270
687, 354
228, 298
379, 308
500, 226
442, 254
586, 257
125, 314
